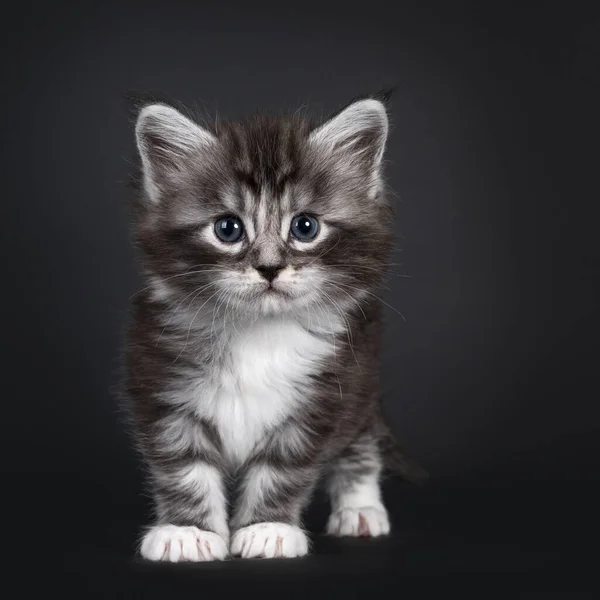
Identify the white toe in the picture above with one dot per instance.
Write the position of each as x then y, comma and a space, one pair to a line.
366, 521
269, 540
182, 544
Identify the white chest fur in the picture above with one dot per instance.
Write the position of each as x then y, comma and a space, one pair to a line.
263, 378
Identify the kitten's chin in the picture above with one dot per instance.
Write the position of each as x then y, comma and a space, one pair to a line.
279, 302
273, 303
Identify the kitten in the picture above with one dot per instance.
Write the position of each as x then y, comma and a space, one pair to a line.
253, 357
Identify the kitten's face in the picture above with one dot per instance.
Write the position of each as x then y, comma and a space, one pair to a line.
265, 216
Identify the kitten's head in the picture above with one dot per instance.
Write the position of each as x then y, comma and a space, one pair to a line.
269, 215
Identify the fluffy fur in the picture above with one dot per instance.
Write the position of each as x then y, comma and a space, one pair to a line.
245, 392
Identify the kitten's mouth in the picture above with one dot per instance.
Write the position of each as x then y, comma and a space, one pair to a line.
271, 290
276, 293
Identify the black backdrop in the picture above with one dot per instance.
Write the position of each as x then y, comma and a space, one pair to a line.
493, 378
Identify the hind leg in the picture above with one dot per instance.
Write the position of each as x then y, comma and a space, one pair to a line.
354, 491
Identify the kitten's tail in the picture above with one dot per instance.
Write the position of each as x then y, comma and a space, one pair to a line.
397, 461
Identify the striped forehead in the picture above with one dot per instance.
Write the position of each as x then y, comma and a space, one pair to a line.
265, 209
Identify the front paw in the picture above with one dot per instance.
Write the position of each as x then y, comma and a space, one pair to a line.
366, 521
269, 540
182, 544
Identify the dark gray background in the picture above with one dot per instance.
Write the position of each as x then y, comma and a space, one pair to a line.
493, 156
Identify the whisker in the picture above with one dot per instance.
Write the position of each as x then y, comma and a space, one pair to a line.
180, 275
366, 268
212, 328
324, 253
216, 309
196, 292
187, 339
375, 296
204, 265
333, 334
349, 296
347, 326
340, 386
233, 314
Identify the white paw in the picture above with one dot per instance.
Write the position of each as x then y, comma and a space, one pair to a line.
366, 521
182, 544
269, 540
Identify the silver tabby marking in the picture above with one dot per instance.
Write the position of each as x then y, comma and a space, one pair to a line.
253, 364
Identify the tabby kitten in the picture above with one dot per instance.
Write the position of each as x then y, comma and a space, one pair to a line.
253, 357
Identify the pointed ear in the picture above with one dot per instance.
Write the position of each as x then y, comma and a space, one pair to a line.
167, 141
357, 135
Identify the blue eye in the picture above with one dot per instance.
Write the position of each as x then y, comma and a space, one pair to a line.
304, 228
229, 229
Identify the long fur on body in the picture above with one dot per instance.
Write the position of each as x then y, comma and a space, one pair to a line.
252, 367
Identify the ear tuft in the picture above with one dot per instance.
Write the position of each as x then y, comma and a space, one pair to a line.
356, 135
166, 141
